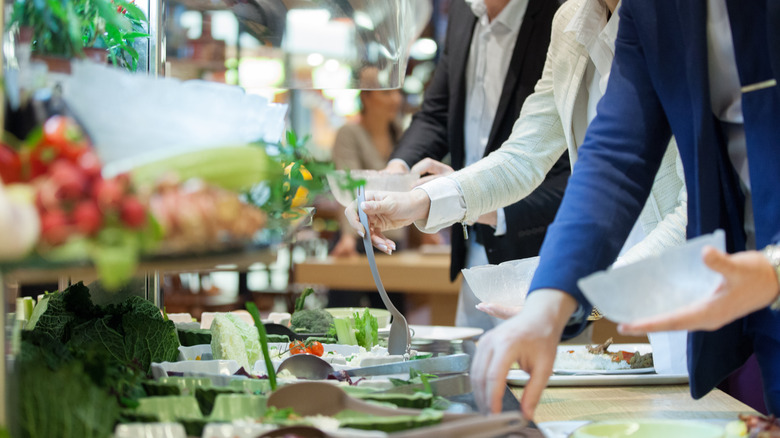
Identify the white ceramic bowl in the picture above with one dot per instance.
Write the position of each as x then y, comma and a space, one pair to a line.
505, 284
375, 181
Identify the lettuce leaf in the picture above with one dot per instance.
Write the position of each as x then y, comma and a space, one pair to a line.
367, 327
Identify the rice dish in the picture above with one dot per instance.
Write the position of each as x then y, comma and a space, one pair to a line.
583, 360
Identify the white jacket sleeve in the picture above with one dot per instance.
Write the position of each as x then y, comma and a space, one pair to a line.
512, 172
665, 215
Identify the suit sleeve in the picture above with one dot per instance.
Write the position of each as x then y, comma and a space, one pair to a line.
427, 134
670, 230
617, 163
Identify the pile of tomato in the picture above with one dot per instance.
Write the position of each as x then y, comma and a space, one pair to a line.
308, 346
71, 195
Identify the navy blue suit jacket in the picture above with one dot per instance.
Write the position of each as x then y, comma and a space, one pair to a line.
658, 87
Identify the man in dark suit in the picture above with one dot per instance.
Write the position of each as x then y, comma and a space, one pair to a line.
483, 59
706, 72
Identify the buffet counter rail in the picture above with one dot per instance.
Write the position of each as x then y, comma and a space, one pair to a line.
425, 277
634, 402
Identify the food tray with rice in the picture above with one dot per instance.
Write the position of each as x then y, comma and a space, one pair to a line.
576, 366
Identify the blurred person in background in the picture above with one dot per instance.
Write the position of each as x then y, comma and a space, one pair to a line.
366, 145
494, 53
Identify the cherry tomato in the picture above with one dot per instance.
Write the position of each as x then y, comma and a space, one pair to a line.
315, 348
10, 165
297, 347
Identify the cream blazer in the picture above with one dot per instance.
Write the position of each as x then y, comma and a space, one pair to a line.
544, 131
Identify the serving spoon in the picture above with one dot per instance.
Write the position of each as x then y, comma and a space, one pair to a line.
399, 340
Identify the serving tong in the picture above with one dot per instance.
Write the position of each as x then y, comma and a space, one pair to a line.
400, 340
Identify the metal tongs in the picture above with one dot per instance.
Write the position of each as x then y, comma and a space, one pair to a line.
400, 339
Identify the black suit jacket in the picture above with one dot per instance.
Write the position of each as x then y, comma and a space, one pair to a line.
437, 129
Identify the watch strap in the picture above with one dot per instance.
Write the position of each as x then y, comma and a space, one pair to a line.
772, 253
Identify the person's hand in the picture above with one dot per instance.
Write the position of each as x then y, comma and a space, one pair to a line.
346, 246
529, 339
499, 311
749, 284
434, 169
489, 219
388, 211
395, 167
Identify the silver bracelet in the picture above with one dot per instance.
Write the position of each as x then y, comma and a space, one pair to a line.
772, 253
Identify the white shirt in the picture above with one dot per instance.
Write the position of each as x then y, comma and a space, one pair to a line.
492, 45
726, 100
597, 35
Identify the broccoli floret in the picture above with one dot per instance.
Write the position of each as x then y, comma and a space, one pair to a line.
311, 321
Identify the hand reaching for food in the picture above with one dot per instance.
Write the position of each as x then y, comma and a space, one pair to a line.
432, 169
388, 211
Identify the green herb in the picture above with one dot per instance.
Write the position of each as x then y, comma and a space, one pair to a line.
275, 415
269, 366
301, 300
67, 27
302, 170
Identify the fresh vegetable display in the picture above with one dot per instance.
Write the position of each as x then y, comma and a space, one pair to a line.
309, 320
189, 202
88, 358
197, 216
358, 330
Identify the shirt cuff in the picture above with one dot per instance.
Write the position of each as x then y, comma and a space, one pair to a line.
398, 160
577, 317
500, 223
447, 205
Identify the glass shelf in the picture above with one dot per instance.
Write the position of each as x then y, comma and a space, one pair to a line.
234, 257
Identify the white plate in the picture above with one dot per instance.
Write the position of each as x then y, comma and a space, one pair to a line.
631, 348
444, 333
520, 378
604, 372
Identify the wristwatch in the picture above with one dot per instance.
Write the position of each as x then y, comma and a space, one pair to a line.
772, 253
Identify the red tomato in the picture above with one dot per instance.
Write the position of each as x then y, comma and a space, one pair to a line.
54, 227
132, 212
87, 217
315, 348
65, 135
10, 165
297, 347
